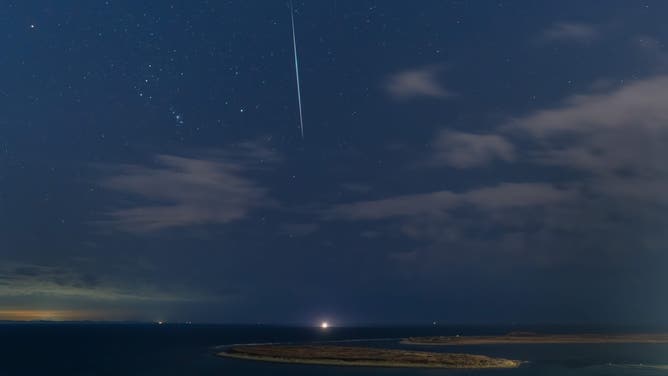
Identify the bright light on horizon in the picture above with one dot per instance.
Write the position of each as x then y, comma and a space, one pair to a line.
324, 325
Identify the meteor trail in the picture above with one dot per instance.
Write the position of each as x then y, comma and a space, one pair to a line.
299, 91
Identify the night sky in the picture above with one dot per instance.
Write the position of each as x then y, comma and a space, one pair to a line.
462, 161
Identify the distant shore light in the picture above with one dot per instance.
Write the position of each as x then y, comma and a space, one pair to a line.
324, 325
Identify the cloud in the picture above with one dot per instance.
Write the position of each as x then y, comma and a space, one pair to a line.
31, 280
615, 138
603, 154
405, 205
652, 52
466, 150
106, 292
635, 104
506, 225
517, 195
421, 82
501, 196
179, 191
61, 314
571, 32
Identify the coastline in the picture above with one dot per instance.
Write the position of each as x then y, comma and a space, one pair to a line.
537, 339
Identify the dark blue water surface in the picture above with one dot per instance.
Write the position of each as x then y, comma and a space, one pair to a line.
143, 349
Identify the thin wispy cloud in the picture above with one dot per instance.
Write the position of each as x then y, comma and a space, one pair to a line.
467, 150
571, 32
176, 191
420, 82
501, 196
442, 224
30, 280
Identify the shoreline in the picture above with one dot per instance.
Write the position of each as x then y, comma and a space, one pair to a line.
365, 357
528, 339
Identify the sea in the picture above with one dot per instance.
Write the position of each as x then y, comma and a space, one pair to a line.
47, 349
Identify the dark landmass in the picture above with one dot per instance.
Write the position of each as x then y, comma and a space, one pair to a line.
532, 338
364, 356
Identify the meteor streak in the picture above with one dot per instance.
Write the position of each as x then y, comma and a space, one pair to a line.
299, 91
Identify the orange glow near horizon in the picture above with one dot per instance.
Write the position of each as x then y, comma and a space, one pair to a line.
52, 315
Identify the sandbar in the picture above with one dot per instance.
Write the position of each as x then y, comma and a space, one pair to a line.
364, 356
532, 338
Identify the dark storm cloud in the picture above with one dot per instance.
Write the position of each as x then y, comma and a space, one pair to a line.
186, 191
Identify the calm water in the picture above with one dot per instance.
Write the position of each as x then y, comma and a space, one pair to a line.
188, 350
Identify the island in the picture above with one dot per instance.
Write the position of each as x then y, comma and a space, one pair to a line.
533, 338
363, 356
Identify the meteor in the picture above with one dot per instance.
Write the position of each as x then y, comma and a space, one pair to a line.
299, 91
